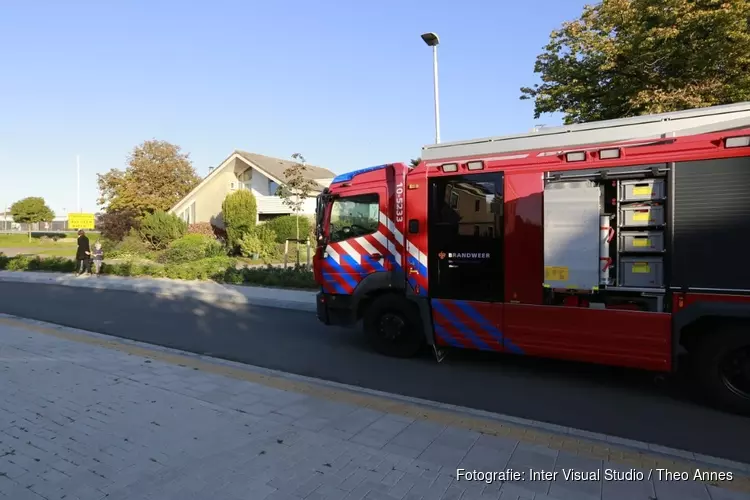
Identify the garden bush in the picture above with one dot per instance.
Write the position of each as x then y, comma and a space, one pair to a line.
285, 227
131, 246
292, 277
260, 242
37, 263
191, 247
220, 269
108, 245
159, 229
239, 211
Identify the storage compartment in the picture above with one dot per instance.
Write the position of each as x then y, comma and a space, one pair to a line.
642, 271
642, 190
711, 224
641, 241
641, 215
571, 235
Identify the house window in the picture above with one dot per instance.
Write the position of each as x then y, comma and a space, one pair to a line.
188, 215
246, 179
272, 187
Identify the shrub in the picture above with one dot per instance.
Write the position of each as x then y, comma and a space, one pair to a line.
213, 268
131, 246
159, 229
108, 245
221, 269
36, 263
285, 227
293, 277
261, 241
19, 263
239, 211
191, 247
117, 225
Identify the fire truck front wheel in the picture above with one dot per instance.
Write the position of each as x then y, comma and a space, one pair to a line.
392, 327
723, 366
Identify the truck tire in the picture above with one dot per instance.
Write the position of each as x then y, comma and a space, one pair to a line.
722, 366
392, 327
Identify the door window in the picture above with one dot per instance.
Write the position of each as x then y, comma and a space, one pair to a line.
354, 216
466, 237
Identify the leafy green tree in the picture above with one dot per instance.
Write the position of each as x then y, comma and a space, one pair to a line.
297, 188
414, 162
633, 57
240, 213
158, 175
30, 211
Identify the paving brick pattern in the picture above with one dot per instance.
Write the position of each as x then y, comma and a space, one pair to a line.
84, 422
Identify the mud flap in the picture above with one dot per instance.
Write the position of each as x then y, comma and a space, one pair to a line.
439, 353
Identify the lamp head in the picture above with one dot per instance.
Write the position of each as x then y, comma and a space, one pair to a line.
431, 39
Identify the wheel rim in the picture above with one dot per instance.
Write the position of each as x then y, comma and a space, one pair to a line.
735, 371
392, 326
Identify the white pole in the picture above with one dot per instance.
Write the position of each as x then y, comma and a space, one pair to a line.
78, 183
437, 96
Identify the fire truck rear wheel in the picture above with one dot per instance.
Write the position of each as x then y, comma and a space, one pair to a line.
392, 327
723, 366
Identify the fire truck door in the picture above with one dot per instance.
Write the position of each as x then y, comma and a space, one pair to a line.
465, 260
356, 247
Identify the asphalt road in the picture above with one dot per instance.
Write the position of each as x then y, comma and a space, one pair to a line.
599, 399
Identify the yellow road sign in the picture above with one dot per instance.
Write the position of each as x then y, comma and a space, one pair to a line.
80, 221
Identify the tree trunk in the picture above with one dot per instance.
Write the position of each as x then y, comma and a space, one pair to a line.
296, 219
29, 233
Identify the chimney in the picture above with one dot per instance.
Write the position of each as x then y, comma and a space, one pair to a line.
210, 169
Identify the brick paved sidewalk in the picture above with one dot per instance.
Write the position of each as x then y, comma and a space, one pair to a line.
90, 417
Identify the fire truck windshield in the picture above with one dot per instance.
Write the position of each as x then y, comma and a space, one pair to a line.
354, 216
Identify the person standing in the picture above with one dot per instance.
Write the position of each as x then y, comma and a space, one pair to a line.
98, 257
83, 254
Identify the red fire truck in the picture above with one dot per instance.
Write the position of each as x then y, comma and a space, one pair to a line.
621, 242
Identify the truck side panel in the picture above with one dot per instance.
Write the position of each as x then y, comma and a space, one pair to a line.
622, 338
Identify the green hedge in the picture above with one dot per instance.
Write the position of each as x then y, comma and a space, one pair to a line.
190, 248
220, 269
285, 227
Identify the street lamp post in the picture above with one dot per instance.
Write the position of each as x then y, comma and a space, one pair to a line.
432, 40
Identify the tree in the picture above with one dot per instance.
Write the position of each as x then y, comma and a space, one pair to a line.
240, 212
296, 189
631, 57
30, 211
414, 162
158, 175
116, 224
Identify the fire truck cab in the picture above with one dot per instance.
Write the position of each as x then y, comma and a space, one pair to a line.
620, 242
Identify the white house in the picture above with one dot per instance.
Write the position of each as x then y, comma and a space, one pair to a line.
242, 170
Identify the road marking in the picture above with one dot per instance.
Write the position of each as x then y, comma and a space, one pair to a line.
571, 444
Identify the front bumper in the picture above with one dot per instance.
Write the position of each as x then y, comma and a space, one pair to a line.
335, 309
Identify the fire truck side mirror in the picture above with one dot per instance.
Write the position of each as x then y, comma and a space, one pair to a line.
413, 226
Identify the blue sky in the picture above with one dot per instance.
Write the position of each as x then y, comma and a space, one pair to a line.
347, 84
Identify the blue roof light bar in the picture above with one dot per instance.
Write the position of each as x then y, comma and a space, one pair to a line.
350, 175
